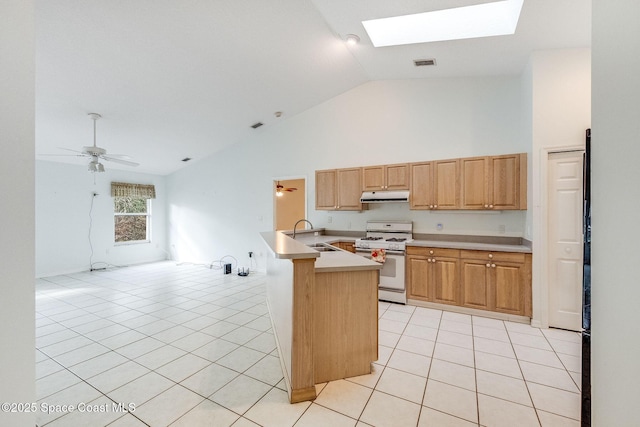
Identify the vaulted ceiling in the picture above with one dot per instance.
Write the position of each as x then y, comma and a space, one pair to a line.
175, 79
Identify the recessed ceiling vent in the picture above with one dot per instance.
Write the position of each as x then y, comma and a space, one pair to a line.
186, 159
424, 62
257, 125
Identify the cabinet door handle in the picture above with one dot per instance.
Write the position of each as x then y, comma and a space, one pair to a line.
486, 206
491, 206
430, 252
430, 206
490, 256
493, 266
435, 206
488, 265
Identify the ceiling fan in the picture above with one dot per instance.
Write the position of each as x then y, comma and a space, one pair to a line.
280, 188
96, 153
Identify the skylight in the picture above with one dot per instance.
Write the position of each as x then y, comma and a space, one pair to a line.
483, 20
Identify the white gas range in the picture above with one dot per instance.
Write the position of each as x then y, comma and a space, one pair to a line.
392, 236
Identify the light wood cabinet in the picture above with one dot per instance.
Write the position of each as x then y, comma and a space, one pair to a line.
339, 189
346, 246
472, 183
433, 275
497, 281
475, 284
326, 195
494, 281
417, 273
494, 182
386, 177
435, 185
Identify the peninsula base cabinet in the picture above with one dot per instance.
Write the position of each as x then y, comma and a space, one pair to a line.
494, 281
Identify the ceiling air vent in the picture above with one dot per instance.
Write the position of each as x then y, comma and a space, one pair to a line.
424, 62
257, 125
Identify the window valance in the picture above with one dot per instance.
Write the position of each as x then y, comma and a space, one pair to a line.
140, 191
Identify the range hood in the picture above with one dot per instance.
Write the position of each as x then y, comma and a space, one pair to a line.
385, 197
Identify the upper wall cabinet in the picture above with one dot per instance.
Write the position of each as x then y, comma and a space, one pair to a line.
494, 182
339, 189
435, 185
472, 183
386, 177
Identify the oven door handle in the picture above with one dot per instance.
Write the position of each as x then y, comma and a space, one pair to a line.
387, 251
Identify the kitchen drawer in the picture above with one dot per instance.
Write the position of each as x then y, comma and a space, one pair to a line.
493, 256
422, 251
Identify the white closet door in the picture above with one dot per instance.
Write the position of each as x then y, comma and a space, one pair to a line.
565, 239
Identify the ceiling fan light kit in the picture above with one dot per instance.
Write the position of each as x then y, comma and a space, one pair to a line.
280, 189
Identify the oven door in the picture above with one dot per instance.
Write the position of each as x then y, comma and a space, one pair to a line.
392, 272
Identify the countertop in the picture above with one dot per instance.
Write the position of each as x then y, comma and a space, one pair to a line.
308, 237
284, 247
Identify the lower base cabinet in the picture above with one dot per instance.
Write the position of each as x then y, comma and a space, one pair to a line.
495, 281
433, 274
347, 246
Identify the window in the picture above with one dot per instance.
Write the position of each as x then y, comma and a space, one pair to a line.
132, 219
132, 211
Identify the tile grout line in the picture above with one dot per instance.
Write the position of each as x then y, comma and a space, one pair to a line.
526, 384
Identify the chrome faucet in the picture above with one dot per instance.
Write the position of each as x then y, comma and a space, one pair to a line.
298, 222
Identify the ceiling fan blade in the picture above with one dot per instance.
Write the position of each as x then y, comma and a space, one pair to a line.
120, 156
290, 189
122, 162
62, 155
69, 149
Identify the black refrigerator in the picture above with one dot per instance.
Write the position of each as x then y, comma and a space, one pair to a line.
586, 289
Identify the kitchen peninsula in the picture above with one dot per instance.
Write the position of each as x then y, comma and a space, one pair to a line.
324, 310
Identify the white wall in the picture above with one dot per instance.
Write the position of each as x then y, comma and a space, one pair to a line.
559, 85
218, 205
616, 203
17, 136
63, 201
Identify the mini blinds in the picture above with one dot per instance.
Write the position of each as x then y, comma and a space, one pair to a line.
139, 191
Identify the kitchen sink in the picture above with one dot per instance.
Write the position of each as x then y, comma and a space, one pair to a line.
323, 247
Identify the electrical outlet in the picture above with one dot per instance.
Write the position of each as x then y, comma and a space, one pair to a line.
439, 226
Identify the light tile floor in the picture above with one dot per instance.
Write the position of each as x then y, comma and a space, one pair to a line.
187, 346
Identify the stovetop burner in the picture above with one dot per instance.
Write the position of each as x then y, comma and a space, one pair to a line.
396, 239
371, 238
